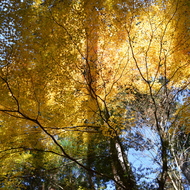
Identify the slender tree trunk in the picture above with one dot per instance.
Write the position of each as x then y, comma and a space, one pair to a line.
120, 166
90, 76
186, 170
164, 157
90, 158
43, 186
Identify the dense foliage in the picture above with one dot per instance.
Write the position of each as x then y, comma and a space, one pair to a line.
87, 85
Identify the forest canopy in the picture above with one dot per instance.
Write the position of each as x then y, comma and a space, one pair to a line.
90, 89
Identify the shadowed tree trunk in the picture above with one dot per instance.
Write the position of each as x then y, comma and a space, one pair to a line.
120, 166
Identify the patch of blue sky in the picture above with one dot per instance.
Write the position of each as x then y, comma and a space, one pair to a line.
143, 161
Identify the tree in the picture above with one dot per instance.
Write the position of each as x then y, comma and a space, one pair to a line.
83, 74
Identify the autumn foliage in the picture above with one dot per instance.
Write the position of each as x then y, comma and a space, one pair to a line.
80, 81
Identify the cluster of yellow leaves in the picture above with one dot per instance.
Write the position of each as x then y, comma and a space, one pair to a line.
55, 70
48, 80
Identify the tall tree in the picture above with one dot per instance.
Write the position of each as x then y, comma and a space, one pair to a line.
83, 74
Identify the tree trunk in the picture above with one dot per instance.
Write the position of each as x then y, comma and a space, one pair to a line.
122, 172
164, 156
186, 170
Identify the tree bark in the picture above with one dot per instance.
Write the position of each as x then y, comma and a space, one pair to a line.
186, 170
121, 169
